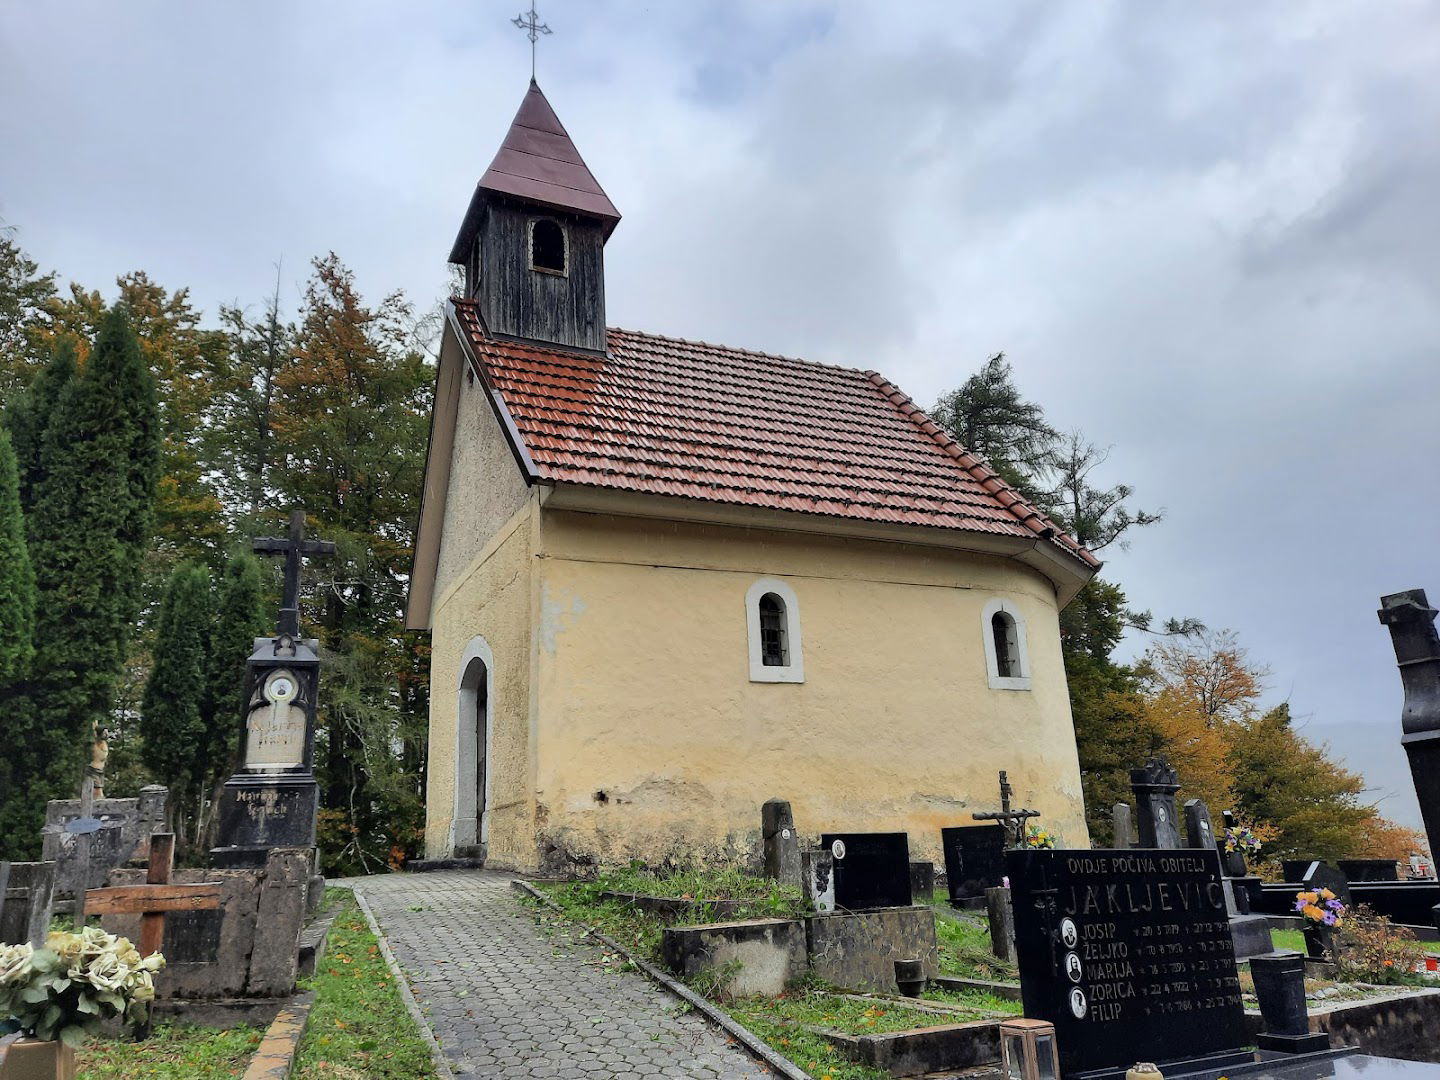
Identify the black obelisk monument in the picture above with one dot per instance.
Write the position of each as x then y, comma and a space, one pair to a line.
1411, 621
273, 800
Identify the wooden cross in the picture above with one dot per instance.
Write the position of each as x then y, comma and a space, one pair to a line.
294, 547
157, 896
1013, 820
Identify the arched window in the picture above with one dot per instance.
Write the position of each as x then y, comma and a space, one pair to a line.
772, 620
547, 246
1007, 662
772, 631
1007, 649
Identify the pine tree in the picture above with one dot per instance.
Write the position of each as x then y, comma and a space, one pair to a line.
172, 721
94, 505
17, 579
25, 297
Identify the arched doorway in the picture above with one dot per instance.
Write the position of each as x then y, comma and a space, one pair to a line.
472, 749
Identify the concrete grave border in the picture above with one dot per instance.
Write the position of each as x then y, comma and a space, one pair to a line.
720, 1019
274, 1058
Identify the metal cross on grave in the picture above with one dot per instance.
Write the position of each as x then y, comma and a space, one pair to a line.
294, 547
157, 896
1013, 820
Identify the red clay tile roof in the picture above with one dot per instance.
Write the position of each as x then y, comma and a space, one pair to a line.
671, 417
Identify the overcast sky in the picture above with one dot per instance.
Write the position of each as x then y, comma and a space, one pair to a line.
1207, 234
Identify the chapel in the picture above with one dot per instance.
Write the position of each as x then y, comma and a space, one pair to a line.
667, 580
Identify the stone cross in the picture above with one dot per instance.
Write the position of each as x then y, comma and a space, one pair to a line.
83, 828
1013, 820
294, 547
1155, 786
157, 896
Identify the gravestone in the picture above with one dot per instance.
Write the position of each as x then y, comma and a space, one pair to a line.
1411, 622
974, 861
1155, 786
124, 828
1294, 869
1250, 933
1319, 875
1280, 992
872, 870
922, 881
1001, 916
817, 873
26, 900
1128, 954
273, 801
1124, 831
1199, 832
1369, 869
781, 844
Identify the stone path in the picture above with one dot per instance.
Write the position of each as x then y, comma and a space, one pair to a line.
506, 1000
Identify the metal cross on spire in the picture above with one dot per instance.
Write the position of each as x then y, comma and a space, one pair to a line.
533, 27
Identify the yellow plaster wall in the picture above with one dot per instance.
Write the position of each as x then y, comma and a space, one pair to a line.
492, 599
644, 694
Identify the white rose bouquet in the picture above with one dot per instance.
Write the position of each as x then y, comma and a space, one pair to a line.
65, 990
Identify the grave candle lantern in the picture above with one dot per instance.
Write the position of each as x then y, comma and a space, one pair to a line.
1028, 1050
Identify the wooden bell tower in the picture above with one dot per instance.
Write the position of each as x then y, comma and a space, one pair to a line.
533, 239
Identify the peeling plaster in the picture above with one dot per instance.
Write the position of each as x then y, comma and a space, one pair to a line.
554, 618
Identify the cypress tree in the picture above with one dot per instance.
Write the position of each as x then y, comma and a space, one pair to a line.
30, 413
93, 508
172, 722
17, 580
240, 619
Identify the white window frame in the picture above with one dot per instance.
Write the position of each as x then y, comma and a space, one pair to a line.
794, 671
1022, 647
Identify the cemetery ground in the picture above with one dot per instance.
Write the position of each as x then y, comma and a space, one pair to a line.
792, 1024
358, 1026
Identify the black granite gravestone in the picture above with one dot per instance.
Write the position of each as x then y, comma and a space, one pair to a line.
872, 870
1319, 875
1368, 869
1155, 786
974, 861
1128, 954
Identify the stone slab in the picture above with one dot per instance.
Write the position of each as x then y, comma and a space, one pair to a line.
928, 1050
858, 950
771, 954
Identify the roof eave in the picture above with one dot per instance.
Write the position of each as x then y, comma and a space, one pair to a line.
1066, 573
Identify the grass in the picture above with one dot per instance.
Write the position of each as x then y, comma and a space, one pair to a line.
359, 1026
640, 930
1289, 940
173, 1052
965, 949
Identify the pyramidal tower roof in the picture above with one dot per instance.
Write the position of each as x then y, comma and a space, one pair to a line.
538, 163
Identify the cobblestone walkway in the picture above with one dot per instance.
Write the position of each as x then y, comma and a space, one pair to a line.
506, 1000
